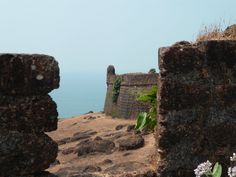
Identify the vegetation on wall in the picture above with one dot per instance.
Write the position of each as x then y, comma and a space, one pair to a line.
116, 89
144, 119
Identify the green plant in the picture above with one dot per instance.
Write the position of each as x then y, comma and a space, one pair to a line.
148, 120
144, 120
217, 170
116, 89
152, 71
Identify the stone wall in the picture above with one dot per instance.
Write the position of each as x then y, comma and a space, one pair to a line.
197, 110
132, 84
26, 112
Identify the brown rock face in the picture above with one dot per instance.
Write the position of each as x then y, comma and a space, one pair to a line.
22, 74
131, 142
136, 169
23, 153
230, 32
197, 106
88, 147
26, 111
28, 114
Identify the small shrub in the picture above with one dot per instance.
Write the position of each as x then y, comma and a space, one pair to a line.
152, 71
148, 120
116, 89
144, 120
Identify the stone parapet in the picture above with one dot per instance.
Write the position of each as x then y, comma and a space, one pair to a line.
197, 106
26, 112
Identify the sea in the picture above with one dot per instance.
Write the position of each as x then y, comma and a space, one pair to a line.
79, 94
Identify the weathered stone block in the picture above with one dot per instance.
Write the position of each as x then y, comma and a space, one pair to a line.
22, 154
28, 114
23, 74
197, 107
180, 59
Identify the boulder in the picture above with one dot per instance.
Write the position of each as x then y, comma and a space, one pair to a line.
119, 127
68, 150
95, 146
131, 142
76, 137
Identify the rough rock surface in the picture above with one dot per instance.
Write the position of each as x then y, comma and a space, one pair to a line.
99, 152
23, 153
23, 74
197, 106
41, 174
94, 146
132, 167
131, 142
230, 32
77, 136
28, 114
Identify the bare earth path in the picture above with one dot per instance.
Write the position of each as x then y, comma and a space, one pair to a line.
98, 145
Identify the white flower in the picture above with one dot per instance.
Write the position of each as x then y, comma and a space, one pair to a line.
232, 171
233, 158
203, 168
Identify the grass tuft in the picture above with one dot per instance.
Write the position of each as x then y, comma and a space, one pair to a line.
215, 32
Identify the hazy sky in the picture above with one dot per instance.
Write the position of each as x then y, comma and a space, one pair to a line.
85, 36
88, 35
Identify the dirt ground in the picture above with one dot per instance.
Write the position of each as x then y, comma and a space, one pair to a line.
98, 145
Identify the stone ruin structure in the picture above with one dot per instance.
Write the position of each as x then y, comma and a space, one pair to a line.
26, 112
197, 106
131, 85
